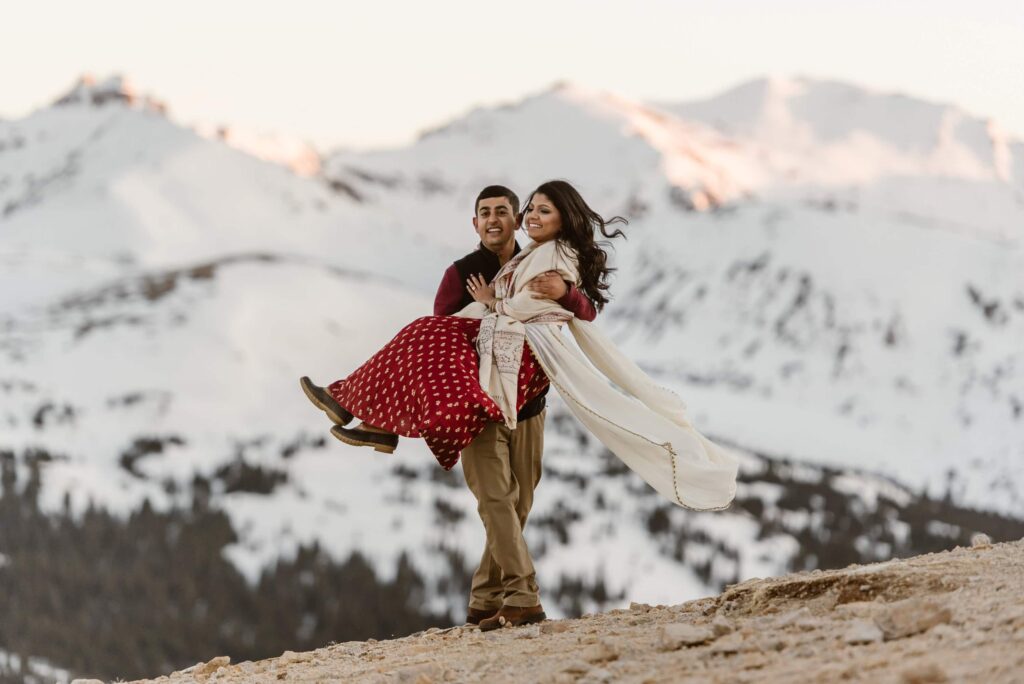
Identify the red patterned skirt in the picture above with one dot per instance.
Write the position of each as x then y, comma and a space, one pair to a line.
426, 383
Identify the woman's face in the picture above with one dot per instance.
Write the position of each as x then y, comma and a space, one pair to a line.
542, 220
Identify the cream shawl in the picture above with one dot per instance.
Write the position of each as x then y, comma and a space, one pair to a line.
503, 331
643, 424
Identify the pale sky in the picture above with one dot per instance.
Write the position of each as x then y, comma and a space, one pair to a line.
377, 72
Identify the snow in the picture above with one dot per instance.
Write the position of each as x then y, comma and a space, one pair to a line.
42, 670
296, 154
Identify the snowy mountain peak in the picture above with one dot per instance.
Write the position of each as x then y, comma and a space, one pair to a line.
801, 112
578, 93
567, 131
88, 90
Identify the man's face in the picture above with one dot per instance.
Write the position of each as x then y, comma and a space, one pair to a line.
495, 223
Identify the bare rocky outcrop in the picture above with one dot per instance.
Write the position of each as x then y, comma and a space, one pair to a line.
115, 89
955, 616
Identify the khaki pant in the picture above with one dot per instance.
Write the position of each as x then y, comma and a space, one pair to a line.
502, 468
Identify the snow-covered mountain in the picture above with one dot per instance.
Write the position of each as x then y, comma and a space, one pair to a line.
830, 277
842, 145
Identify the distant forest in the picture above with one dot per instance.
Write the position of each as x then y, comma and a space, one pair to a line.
135, 597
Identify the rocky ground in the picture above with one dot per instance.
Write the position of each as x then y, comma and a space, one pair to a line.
956, 616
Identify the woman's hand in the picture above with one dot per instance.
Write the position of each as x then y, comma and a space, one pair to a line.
548, 286
480, 291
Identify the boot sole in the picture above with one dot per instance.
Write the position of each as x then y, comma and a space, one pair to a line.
475, 620
337, 419
529, 620
352, 441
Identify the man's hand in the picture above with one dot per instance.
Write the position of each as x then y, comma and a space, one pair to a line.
548, 285
479, 290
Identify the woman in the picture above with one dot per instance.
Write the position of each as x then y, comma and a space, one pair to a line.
442, 377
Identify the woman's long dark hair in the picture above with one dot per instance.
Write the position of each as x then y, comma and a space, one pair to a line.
579, 224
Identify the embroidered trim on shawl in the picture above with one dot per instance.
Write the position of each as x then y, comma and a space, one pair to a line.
505, 346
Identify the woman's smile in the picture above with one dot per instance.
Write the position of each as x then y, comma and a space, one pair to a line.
542, 219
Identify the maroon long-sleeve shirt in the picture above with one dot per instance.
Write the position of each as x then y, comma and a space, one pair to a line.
451, 291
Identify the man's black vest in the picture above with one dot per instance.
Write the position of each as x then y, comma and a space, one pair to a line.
485, 262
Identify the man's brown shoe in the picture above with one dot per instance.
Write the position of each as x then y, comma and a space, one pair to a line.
475, 615
513, 616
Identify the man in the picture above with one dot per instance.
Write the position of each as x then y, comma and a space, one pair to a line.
503, 466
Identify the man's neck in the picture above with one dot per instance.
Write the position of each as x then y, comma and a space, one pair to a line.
505, 252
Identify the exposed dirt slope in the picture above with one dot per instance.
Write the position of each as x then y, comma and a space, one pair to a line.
954, 616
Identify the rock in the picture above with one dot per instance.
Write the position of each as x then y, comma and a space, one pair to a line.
810, 624
598, 675
424, 673
862, 632
347, 647
555, 627
289, 657
639, 607
601, 652
981, 541
561, 678
862, 609
211, 666
911, 616
771, 643
722, 625
928, 674
187, 670
679, 634
575, 667
731, 643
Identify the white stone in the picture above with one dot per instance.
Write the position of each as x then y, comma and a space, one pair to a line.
911, 616
289, 657
862, 632
981, 540
722, 625
679, 634
732, 643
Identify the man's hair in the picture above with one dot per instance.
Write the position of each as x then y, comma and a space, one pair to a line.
492, 191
